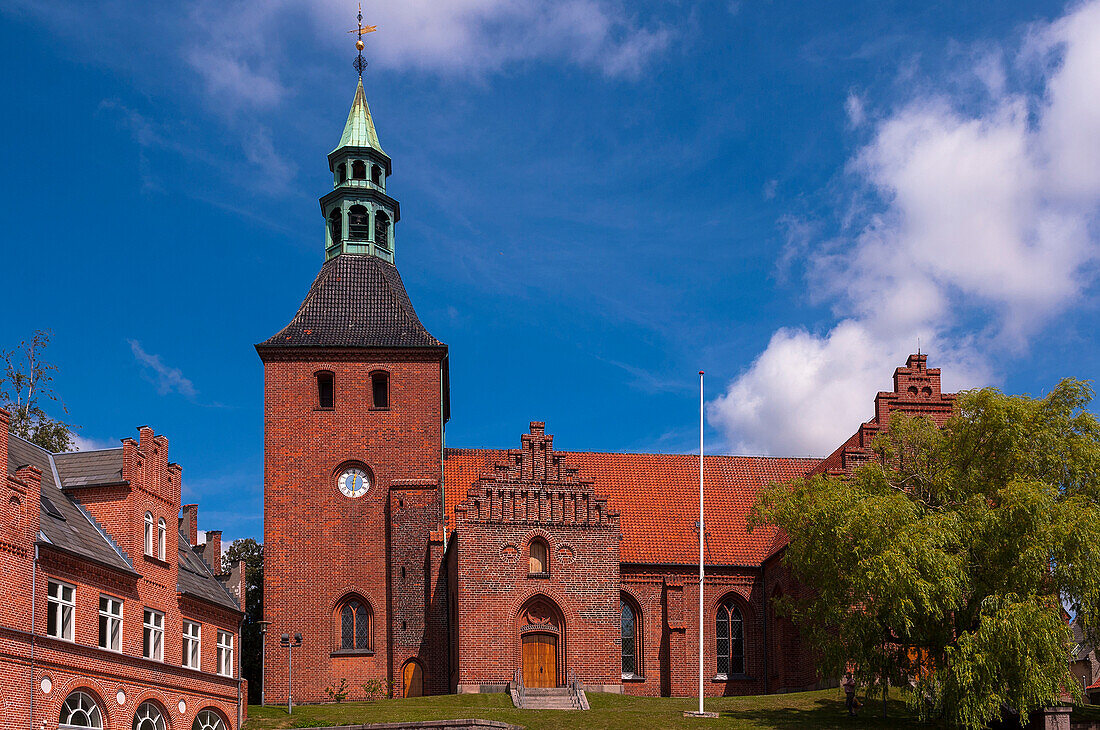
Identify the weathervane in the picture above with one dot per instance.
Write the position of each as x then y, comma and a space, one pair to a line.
360, 62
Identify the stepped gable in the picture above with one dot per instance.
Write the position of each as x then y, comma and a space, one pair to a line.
532, 484
355, 301
916, 393
656, 496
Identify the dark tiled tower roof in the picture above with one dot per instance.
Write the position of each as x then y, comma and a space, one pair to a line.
355, 301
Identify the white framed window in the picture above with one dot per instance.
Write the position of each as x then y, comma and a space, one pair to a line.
192, 644
61, 603
148, 717
162, 539
208, 720
150, 536
152, 645
80, 711
225, 653
110, 623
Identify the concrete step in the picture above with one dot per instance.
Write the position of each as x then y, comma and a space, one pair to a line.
547, 703
547, 691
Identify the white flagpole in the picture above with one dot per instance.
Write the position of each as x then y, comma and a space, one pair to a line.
701, 527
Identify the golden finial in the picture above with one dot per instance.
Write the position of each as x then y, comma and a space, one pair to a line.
360, 63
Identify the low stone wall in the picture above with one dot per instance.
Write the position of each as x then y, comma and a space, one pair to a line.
471, 724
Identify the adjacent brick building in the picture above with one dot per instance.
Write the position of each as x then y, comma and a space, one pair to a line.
445, 570
109, 618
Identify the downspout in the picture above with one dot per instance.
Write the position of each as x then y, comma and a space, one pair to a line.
240, 654
34, 604
442, 453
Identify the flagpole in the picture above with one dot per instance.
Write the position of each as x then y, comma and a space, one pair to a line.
701, 528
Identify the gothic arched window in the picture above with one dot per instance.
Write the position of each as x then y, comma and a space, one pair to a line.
631, 638
80, 710
382, 229
358, 170
355, 625
358, 223
730, 639
335, 226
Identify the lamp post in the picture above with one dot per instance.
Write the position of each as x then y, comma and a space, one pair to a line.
263, 655
285, 641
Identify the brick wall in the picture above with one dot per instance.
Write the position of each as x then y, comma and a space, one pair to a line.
321, 546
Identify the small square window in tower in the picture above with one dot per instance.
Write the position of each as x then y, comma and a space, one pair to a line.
326, 389
380, 389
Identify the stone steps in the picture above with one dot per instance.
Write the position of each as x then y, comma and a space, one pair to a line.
548, 698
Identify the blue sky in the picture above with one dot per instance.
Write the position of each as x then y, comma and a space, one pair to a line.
598, 198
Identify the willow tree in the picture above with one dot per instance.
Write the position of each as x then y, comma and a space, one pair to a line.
943, 564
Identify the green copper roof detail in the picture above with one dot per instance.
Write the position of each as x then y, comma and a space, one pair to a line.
359, 130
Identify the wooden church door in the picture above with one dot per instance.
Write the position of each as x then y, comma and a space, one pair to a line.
540, 660
412, 679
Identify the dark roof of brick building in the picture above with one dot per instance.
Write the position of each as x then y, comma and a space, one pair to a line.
657, 496
355, 301
196, 578
90, 468
70, 528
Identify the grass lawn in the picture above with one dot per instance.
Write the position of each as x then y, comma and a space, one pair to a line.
823, 709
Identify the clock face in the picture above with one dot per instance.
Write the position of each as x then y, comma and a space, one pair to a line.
354, 482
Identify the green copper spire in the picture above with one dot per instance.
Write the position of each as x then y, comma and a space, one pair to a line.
359, 130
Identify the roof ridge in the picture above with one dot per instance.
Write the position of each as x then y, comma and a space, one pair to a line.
646, 453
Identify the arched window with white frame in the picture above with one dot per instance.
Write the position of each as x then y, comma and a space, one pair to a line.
150, 536
148, 717
80, 710
162, 539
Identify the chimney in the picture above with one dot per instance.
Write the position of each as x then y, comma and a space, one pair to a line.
213, 552
189, 523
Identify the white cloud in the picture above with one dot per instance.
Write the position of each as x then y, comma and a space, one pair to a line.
975, 221
80, 443
853, 106
167, 379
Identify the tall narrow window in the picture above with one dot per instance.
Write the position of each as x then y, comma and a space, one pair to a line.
152, 641
359, 170
335, 226
110, 623
355, 626
225, 653
61, 603
162, 539
730, 638
382, 229
380, 388
537, 563
192, 644
150, 536
358, 223
376, 174
631, 636
341, 173
326, 389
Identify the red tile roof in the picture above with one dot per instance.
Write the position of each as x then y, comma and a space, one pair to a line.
657, 496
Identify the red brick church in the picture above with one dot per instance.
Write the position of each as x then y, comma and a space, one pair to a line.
462, 570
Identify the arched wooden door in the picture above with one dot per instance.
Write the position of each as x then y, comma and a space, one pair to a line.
540, 660
412, 679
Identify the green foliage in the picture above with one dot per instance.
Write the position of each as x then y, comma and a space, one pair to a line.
377, 689
252, 553
942, 564
338, 693
24, 387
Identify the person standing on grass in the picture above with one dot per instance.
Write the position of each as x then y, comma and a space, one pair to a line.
849, 685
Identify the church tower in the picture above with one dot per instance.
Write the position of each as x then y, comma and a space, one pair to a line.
355, 401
